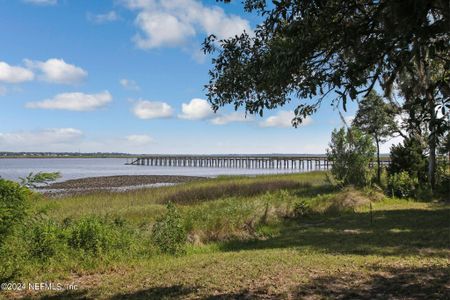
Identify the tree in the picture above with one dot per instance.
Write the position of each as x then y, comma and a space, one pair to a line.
310, 49
375, 117
409, 157
351, 152
428, 117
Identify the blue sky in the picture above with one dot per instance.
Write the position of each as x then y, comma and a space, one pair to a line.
128, 76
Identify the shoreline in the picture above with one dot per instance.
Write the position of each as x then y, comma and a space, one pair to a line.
116, 183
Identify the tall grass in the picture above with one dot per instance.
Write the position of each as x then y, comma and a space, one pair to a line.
97, 230
144, 206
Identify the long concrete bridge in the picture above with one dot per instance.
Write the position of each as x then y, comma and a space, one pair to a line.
299, 162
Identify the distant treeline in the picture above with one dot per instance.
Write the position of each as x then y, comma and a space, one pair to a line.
63, 154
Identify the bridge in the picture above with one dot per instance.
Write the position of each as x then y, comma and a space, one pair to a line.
293, 162
233, 161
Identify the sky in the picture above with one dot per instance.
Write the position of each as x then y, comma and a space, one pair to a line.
129, 76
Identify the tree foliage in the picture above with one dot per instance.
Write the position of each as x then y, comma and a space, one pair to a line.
351, 152
376, 118
409, 157
307, 49
41, 178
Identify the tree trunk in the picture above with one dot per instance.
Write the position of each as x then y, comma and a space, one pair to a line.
432, 143
428, 91
378, 161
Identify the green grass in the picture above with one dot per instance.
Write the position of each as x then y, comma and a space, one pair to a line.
143, 205
246, 242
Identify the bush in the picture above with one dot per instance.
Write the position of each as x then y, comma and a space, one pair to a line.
93, 235
168, 233
13, 257
47, 239
13, 206
402, 184
409, 157
351, 153
302, 209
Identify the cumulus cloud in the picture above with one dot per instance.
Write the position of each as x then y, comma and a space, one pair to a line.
170, 23
110, 16
14, 74
139, 139
31, 139
231, 118
196, 109
144, 109
57, 71
73, 101
42, 2
161, 29
283, 119
129, 84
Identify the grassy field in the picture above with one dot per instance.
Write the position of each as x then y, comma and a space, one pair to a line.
267, 237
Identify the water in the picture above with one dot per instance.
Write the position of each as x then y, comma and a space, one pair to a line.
73, 168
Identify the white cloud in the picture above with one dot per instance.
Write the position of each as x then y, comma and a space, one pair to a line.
36, 139
110, 16
57, 71
161, 29
169, 23
129, 84
42, 2
144, 109
74, 101
231, 118
283, 119
13, 74
196, 109
139, 139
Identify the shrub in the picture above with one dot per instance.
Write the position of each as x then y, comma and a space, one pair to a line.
409, 157
402, 184
93, 235
351, 153
13, 206
302, 209
46, 240
13, 257
168, 233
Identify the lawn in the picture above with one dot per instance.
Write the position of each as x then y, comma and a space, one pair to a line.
268, 237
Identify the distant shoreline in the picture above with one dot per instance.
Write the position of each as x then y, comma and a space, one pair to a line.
71, 156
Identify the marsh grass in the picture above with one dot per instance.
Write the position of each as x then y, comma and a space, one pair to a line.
246, 243
142, 206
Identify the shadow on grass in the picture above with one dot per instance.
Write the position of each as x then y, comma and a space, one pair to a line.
168, 292
68, 294
246, 295
387, 283
315, 190
191, 195
395, 232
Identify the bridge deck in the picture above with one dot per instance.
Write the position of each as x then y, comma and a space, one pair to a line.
315, 162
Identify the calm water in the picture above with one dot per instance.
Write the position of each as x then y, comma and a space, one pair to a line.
72, 168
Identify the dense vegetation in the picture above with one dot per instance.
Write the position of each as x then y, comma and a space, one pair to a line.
312, 51
301, 237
